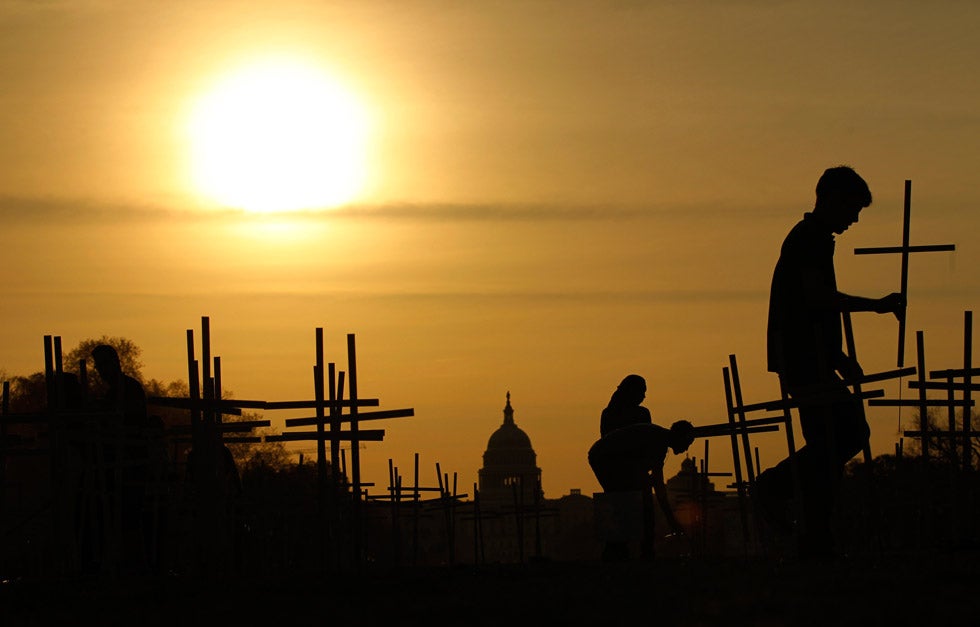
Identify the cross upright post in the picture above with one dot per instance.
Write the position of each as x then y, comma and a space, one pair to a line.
967, 389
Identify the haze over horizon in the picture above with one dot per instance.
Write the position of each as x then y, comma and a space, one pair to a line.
556, 195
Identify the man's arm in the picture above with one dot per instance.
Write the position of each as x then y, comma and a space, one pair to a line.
893, 303
657, 481
812, 288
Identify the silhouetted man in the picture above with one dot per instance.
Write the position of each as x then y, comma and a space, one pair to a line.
134, 455
630, 455
805, 349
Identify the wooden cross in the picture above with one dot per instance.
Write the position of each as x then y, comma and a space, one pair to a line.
698, 488
904, 249
704, 487
739, 427
207, 429
923, 403
207, 407
397, 495
945, 380
328, 429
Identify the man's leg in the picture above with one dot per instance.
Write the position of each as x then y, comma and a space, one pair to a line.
851, 429
647, 550
848, 435
774, 489
613, 476
835, 433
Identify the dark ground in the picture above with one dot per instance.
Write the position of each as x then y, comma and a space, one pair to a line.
908, 589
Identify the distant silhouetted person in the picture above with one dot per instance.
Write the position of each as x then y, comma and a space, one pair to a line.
135, 458
630, 455
805, 349
123, 392
624, 408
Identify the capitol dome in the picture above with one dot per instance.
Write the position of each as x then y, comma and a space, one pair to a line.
509, 439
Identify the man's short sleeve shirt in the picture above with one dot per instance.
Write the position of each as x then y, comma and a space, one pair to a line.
804, 334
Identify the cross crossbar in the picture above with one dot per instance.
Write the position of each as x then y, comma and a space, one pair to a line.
369, 415
373, 435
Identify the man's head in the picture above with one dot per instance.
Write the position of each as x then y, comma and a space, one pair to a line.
106, 362
841, 194
681, 436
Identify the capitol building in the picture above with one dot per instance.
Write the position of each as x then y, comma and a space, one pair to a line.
517, 522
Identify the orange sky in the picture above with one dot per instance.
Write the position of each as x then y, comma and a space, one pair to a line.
561, 193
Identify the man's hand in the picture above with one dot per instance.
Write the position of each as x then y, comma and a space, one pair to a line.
893, 303
675, 526
849, 368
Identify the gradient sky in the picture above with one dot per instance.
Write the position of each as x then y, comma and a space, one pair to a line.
560, 194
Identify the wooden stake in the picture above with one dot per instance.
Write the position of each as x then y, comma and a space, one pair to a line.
355, 453
415, 511
394, 494
737, 389
218, 414
923, 406
192, 382
324, 526
205, 352
477, 527
739, 486
906, 222
49, 371
336, 391
852, 353
704, 499
967, 398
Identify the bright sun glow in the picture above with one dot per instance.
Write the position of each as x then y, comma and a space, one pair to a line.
278, 136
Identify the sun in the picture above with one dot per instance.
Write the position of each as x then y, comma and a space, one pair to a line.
278, 135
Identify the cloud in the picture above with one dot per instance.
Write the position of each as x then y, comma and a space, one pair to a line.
32, 209
578, 296
584, 295
489, 212
25, 209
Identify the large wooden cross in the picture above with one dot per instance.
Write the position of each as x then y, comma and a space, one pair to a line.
905, 249
739, 427
945, 380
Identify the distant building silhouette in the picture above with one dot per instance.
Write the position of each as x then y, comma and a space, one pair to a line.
688, 481
517, 524
510, 466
